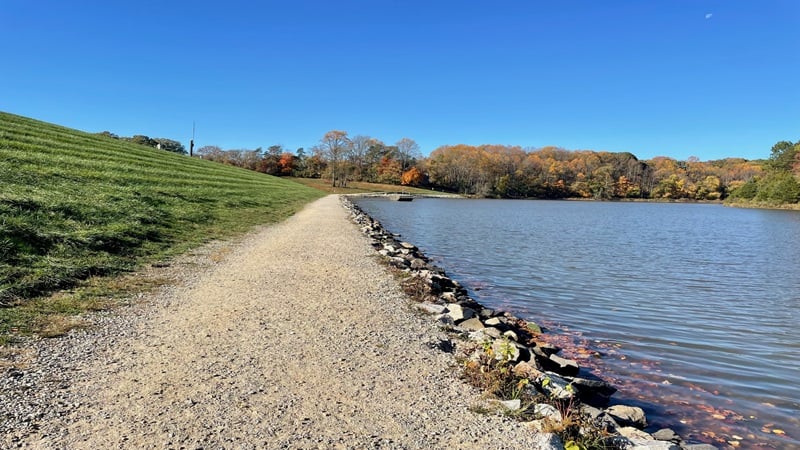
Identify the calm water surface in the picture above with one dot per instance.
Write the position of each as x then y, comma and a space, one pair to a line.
694, 307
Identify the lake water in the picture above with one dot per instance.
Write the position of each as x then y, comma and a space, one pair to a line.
694, 307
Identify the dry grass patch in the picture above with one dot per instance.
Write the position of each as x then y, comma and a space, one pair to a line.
58, 325
219, 255
14, 357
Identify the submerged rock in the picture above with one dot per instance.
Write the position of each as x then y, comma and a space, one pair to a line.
665, 434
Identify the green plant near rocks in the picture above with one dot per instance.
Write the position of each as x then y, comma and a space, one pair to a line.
495, 375
507, 350
492, 371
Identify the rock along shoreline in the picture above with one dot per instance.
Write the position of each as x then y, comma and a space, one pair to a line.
500, 333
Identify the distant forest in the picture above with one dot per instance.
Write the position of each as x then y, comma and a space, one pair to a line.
502, 171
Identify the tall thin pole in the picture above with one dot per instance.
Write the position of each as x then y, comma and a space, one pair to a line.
191, 143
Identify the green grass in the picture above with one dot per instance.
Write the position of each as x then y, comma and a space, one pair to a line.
74, 205
360, 187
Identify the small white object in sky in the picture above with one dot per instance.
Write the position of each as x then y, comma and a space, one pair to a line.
708, 16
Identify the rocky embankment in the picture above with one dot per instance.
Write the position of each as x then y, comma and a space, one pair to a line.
540, 370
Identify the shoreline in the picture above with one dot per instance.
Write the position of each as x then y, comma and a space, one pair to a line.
539, 362
725, 203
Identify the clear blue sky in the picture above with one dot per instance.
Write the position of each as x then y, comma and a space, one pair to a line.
680, 78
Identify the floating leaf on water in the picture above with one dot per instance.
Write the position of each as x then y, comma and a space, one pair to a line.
779, 432
718, 416
734, 443
738, 438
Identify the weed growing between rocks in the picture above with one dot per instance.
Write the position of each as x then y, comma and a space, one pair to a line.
415, 288
493, 373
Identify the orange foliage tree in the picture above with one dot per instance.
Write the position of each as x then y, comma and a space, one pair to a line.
411, 177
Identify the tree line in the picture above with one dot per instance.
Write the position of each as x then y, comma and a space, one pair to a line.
504, 171
337, 157
552, 172
169, 145
779, 182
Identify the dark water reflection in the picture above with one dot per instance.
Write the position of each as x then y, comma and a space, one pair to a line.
695, 307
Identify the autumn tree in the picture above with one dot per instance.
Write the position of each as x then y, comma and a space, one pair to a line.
316, 164
412, 177
377, 156
334, 145
269, 160
457, 168
359, 155
286, 164
210, 152
407, 152
388, 170
710, 188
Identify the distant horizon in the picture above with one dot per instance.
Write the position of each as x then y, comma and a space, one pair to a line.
708, 79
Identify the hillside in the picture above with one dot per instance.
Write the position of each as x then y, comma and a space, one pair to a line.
75, 205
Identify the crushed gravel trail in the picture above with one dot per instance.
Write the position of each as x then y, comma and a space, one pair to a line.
297, 338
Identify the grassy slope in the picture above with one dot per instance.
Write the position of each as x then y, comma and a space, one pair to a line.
74, 205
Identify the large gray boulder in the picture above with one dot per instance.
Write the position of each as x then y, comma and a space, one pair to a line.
628, 416
458, 312
430, 308
408, 246
417, 264
492, 332
398, 262
562, 366
594, 392
473, 324
635, 434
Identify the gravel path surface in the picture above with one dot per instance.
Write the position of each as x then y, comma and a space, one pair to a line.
296, 338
